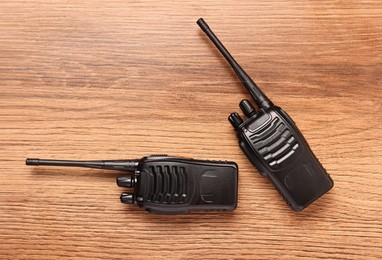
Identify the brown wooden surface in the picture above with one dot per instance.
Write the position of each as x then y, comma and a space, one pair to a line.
125, 79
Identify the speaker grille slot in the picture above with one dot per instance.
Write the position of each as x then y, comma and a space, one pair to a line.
167, 184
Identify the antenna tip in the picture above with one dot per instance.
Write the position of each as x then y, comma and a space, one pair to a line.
32, 161
202, 24
200, 20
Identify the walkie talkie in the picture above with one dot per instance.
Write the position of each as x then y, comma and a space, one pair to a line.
169, 185
273, 143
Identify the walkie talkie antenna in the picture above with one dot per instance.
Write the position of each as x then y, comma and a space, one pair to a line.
121, 165
260, 98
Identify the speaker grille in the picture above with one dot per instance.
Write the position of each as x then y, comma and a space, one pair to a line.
167, 184
275, 143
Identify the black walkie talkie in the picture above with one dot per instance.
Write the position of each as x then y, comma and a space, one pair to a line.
273, 143
169, 185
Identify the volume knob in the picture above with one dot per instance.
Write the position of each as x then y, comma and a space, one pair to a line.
235, 119
127, 198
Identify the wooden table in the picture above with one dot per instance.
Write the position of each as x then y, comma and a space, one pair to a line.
125, 79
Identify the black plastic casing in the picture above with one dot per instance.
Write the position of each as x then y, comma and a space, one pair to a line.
275, 146
273, 143
175, 185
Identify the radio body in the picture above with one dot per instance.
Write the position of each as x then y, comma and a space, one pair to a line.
167, 184
273, 143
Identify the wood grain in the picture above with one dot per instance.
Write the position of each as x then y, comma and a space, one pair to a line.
125, 79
